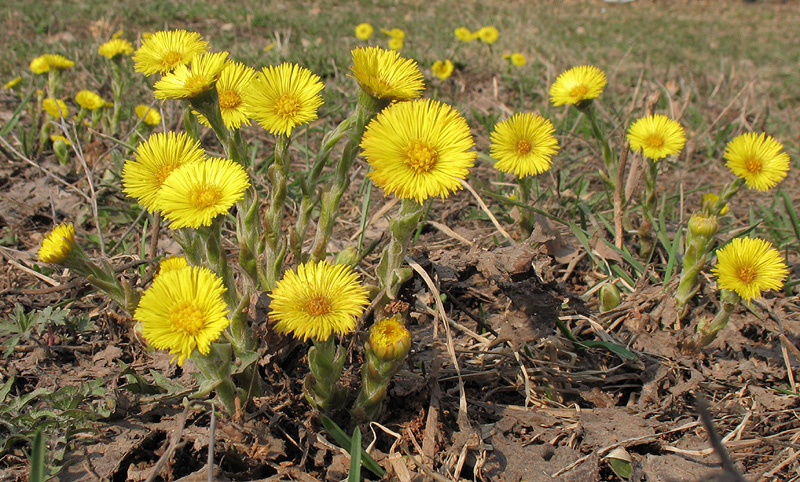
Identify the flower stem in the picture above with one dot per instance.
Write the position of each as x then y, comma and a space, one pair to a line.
275, 242
326, 361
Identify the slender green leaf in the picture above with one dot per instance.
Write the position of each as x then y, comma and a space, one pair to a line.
355, 457
344, 441
38, 458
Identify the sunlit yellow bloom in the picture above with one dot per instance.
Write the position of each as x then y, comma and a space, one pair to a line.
749, 266
58, 244
488, 35
283, 97
114, 47
318, 300
396, 43
384, 74
464, 34
63, 139
443, 70
657, 136
89, 100
45, 62
190, 80
55, 107
233, 82
389, 339
156, 158
183, 310
394, 33
148, 115
364, 31
39, 65
418, 149
12, 83
523, 144
577, 84
171, 264
757, 158
162, 51
518, 59
196, 193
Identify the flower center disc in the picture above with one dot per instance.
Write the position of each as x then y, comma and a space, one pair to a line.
164, 173
655, 140
746, 274
523, 147
287, 106
186, 317
753, 165
579, 91
318, 306
171, 58
420, 156
229, 99
196, 84
205, 197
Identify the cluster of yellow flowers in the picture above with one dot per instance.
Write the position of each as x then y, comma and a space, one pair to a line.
486, 34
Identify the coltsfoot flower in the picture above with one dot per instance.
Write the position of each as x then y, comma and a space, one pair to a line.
488, 35
189, 80
162, 51
89, 100
44, 63
364, 31
418, 149
115, 47
523, 144
518, 59
58, 244
55, 107
148, 115
172, 263
757, 158
233, 82
464, 34
318, 300
12, 83
442, 70
749, 266
389, 339
577, 84
657, 136
183, 310
384, 74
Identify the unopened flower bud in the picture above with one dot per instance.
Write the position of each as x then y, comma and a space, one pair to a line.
609, 297
348, 256
703, 225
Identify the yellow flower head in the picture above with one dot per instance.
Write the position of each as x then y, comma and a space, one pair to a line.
39, 65
394, 33
115, 47
58, 244
577, 84
389, 339
197, 192
518, 59
318, 300
283, 97
171, 264
657, 136
55, 107
183, 310
443, 70
384, 74
233, 82
364, 31
463, 34
63, 139
156, 158
488, 35
757, 158
395, 43
418, 149
12, 83
188, 81
44, 63
162, 51
148, 115
89, 100
523, 144
748, 266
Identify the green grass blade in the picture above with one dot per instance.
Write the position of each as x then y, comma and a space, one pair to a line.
38, 458
15, 115
344, 441
792, 213
355, 457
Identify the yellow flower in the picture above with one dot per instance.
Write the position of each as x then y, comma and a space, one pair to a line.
61, 139
156, 158
384, 74
183, 310
757, 158
269, 46
657, 136
710, 199
394, 33
318, 300
283, 97
389, 339
748, 266
148, 115
188, 81
172, 263
233, 82
488, 35
443, 70
395, 43
45, 62
162, 51
518, 59
114, 47
197, 192
364, 31
577, 84
12, 83
418, 149
58, 244
55, 107
523, 144
463, 34
89, 100
39, 65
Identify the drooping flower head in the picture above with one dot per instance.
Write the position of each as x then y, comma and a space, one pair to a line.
186, 81
162, 51
749, 266
89, 100
172, 263
418, 149
115, 47
318, 300
156, 158
364, 31
44, 63
56, 138
12, 83
394, 33
464, 34
389, 339
384, 74
233, 82
757, 158
443, 70
58, 244
148, 115
577, 84
283, 97
657, 136
195, 193
183, 310
55, 107
488, 35
523, 144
